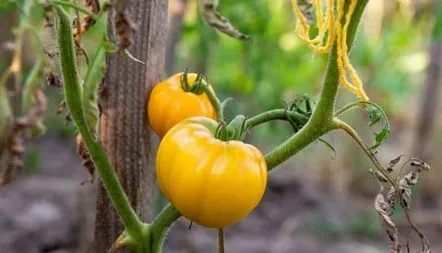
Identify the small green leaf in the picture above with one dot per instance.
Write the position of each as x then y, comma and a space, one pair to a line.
374, 114
381, 136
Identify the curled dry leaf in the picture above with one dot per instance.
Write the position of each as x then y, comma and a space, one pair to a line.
87, 163
392, 198
401, 194
382, 208
219, 22
13, 148
378, 176
419, 165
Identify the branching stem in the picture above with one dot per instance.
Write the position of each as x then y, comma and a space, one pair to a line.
339, 124
277, 114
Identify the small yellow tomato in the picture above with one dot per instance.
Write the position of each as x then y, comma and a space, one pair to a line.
212, 182
169, 104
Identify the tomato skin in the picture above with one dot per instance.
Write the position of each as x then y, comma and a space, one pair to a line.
169, 104
212, 182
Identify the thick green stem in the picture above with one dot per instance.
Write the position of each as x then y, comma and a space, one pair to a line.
322, 117
161, 225
73, 93
277, 114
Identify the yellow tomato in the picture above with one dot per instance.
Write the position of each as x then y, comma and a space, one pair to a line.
212, 182
169, 104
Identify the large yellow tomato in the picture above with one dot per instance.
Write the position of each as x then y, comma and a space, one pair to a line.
212, 182
169, 104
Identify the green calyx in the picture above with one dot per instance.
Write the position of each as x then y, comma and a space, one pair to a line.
235, 130
198, 87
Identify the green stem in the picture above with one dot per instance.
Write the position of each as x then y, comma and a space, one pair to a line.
216, 103
76, 7
322, 117
277, 114
339, 124
357, 103
73, 93
161, 225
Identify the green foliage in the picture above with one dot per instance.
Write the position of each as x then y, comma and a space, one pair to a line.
376, 114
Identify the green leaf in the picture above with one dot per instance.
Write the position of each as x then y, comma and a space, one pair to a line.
381, 136
374, 114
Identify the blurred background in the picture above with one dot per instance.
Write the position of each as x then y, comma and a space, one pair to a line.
316, 201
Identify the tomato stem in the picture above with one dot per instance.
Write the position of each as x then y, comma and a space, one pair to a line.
322, 117
277, 114
339, 124
161, 225
216, 103
220, 240
75, 103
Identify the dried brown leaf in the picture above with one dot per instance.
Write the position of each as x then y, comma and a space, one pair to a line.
219, 22
12, 158
94, 6
393, 163
382, 208
378, 176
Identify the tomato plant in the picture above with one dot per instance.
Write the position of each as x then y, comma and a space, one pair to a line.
210, 181
209, 175
177, 98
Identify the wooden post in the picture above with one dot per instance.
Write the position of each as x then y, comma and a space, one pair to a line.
123, 130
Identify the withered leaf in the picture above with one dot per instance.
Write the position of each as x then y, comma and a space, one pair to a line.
382, 209
219, 22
